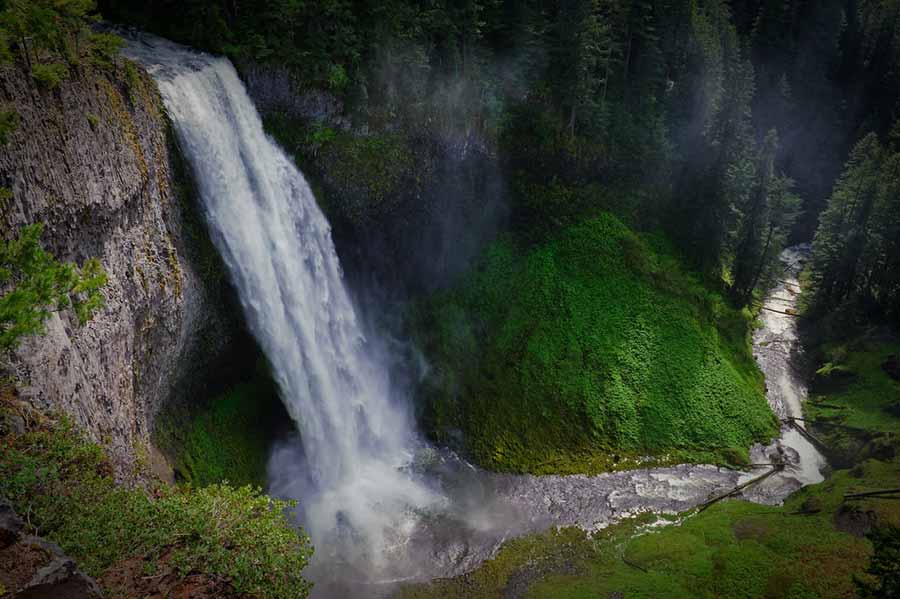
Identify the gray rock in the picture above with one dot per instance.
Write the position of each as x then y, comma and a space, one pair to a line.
10, 524
108, 190
50, 548
60, 579
11, 424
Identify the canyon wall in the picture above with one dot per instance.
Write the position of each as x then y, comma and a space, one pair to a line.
94, 160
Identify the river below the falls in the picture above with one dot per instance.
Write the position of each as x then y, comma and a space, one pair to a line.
484, 509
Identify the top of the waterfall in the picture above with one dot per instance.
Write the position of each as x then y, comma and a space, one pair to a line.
161, 57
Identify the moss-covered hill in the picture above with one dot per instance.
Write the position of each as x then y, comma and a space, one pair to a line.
827, 540
585, 351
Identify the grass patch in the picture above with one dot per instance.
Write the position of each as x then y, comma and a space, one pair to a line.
867, 396
229, 439
582, 353
62, 484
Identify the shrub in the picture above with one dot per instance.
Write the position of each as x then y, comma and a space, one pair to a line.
238, 534
104, 48
9, 120
49, 76
35, 283
884, 568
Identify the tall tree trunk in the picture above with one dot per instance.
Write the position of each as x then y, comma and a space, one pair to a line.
748, 293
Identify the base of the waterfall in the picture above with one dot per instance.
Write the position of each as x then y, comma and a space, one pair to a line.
479, 511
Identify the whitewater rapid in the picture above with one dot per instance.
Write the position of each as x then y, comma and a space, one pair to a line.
380, 505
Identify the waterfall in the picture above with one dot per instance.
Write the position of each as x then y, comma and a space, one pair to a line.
277, 246
372, 516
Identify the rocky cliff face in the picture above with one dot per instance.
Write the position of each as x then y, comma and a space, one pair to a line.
94, 161
412, 200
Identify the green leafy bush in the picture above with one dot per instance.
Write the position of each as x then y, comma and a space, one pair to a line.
104, 48
594, 344
36, 284
9, 120
49, 76
885, 565
63, 483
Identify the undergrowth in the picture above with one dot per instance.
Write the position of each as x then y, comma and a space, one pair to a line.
586, 351
854, 390
227, 439
62, 485
825, 541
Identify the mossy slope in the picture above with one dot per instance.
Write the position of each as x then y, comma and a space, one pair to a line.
818, 544
237, 536
594, 344
226, 439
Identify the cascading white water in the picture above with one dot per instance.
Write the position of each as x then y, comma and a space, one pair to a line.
277, 246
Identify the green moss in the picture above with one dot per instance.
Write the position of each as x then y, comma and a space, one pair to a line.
588, 350
865, 399
9, 121
228, 440
63, 484
364, 174
49, 76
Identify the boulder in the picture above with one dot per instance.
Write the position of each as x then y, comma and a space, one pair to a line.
10, 525
60, 579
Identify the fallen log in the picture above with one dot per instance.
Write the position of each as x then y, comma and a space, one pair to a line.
791, 421
628, 562
830, 406
883, 494
738, 488
829, 424
778, 311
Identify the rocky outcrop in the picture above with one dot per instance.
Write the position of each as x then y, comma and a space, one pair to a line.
33, 568
94, 161
275, 89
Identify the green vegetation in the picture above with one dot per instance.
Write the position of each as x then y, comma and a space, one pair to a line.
9, 120
50, 36
856, 253
818, 544
594, 346
884, 569
49, 76
734, 549
63, 484
226, 441
852, 389
36, 284
368, 175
